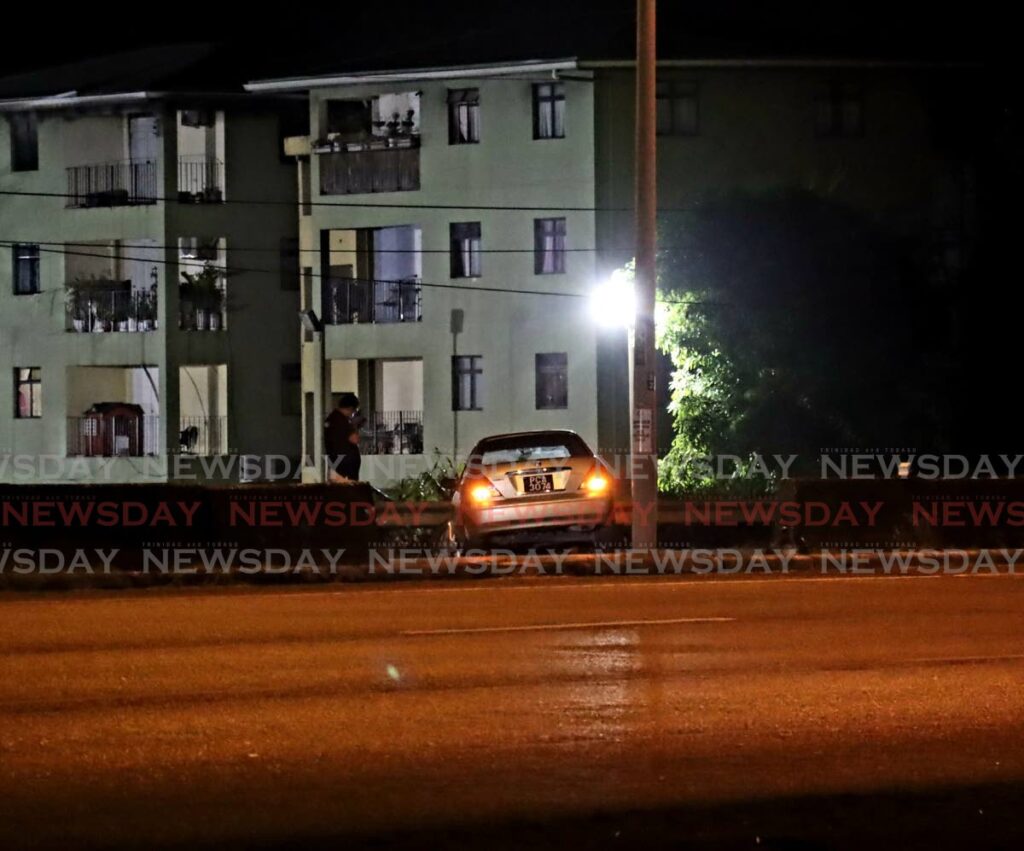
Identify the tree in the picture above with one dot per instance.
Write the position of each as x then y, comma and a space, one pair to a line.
797, 324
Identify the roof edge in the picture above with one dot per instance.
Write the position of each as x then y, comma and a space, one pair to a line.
494, 69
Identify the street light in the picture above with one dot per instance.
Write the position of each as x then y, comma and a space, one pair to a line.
613, 301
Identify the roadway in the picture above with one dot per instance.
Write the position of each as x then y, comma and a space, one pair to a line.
833, 713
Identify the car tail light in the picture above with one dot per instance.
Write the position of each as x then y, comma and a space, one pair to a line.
480, 493
597, 483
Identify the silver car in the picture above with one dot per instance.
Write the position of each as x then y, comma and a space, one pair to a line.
530, 485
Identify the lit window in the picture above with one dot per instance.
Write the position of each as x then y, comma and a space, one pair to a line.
28, 392
549, 111
463, 116
548, 246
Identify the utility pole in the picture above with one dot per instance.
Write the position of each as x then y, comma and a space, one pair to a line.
644, 467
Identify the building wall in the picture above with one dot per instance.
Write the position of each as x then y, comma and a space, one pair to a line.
263, 328
507, 167
757, 132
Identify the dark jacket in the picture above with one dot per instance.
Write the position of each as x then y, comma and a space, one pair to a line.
337, 429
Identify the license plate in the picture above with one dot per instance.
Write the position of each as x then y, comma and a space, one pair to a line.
538, 484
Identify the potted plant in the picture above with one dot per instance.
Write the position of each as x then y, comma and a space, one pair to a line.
202, 291
77, 307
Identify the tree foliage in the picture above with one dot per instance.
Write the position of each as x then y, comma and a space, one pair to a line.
799, 324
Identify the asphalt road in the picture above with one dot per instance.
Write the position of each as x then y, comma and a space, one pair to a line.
780, 712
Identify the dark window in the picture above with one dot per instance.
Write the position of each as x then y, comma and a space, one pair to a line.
291, 389
549, 111
349, 118
463, 116
28, 392
24, 142
677, 108
289, 263
26, 268
467, 382
465, 249
552, 377
840, 111
548, 246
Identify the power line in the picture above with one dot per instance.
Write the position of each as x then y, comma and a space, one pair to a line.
235, 270
278, 249
384, 205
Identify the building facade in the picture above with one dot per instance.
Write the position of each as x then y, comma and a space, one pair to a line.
454, 222
147, 321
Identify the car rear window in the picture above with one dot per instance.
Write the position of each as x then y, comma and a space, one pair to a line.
529, 448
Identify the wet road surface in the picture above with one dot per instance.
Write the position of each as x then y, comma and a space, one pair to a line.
715, 713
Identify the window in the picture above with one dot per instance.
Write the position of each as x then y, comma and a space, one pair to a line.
549, 111
840, 111
28, 392
289, 255
467, 382
463, 116
677, 108
548, 246
24, 142
291, 389
465, 249
552, 377
26, 268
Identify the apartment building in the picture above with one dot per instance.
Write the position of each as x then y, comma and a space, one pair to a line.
455, 220
147, 322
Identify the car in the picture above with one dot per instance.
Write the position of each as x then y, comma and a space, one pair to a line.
529, 487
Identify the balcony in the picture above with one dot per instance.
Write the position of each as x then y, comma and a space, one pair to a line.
392, 433
351, 301
203, 436
112, 430
113, 184
110, 306
390, 164
200, 179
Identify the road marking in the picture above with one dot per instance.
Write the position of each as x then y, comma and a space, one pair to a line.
933, 660
551, 583
540, 627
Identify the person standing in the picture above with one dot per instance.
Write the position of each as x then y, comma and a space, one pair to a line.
341, 439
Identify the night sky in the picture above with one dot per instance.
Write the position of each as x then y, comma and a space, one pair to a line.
399, 32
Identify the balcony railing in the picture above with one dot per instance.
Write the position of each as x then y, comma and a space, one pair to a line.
114, 184
200, 179
109, 436
201, 316
378, 165
349, 301
203, 436
392, 433
117, 309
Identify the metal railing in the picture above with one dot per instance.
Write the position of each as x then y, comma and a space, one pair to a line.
113, 184
392, 433
111, 436
380, 165
200, 178
193, 316
349, 301
203, 436
115, 310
